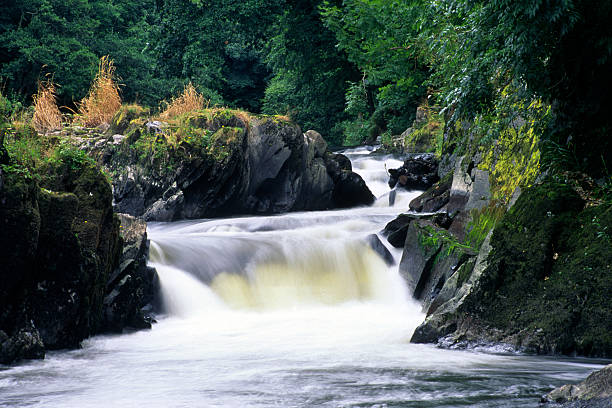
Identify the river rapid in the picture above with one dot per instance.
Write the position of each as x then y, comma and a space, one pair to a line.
294, 310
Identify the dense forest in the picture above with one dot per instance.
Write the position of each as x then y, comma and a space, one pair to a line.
353, 70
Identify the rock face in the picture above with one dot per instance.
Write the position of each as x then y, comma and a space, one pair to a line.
57, 248
219, 163
594, 391
59, 245
419, 172
547, 253
131, 290
431, 256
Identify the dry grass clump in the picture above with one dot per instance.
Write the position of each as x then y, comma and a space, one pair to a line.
188, 101
103, 99
47, 115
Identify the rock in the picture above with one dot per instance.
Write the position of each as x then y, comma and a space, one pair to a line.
396, 230
154, 126
117, 139
58, 246
315, 139
435, 198
350, 190
25, 344
443, 317
378, 247
245, 165
133, 286
419, 172
596, 389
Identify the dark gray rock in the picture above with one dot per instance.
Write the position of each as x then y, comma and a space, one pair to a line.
24, 344
396, 229
435, 198
419, 172
350, 190
594, 391
132, 289
265, 166
443, 317
380, 248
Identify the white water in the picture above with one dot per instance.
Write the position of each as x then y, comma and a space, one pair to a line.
286, 311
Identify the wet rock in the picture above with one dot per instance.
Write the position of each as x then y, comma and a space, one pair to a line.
443, 316
435, 198
132, 288
59, 245
378, 247
396, 229
419, 172
350, 190
596, 389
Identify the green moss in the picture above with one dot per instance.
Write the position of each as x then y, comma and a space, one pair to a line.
224, 141
428, 137
482, 222
465, 271
127, 118
550, 254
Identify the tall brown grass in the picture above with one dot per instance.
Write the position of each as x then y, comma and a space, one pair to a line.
103, 99
47, 115
188, 101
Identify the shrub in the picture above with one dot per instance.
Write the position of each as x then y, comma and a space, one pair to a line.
103, 99
47, 115
188, 101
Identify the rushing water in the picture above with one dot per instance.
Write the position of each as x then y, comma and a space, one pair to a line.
286, 311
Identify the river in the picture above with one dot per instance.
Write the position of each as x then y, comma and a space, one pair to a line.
293, 310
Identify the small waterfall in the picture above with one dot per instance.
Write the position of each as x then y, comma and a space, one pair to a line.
280, 262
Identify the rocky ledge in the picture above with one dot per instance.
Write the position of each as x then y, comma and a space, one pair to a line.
220, 162
65, 271
547, 249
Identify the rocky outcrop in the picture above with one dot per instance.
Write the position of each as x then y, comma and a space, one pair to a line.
547, 253
458, 193
419, 172
131, 290
431, 256
219, 163
594, 391
59, 246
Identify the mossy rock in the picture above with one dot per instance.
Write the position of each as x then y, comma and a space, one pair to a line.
128, 118
550, 254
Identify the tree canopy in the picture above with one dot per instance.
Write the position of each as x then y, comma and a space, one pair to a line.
352, 69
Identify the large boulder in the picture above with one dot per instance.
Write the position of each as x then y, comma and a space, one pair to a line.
222, 162
435, 198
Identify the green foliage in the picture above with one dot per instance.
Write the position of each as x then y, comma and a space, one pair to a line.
378, 37
35, 157
568, 271
430, 237
427, 136
67, 38
309, 82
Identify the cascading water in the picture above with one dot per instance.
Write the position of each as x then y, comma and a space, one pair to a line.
293, 310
